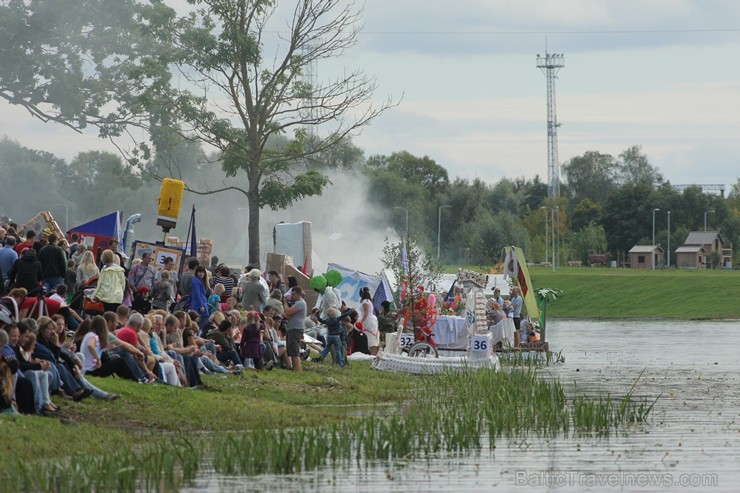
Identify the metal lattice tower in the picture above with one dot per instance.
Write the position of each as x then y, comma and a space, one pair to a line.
310, 77
550, 64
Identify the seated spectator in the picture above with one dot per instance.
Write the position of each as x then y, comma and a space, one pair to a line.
165, 369
225, 351
97, 361
130, 335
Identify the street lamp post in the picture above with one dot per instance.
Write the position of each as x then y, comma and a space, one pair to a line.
557, 208
407, 219
547, 212
439, 228
705, 218
552, 233
653, 252
669, 240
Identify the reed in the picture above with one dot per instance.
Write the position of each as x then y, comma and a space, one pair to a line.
452, 413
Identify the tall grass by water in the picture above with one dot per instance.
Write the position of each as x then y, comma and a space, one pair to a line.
451, 413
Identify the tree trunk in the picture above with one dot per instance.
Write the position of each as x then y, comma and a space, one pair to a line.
253, 229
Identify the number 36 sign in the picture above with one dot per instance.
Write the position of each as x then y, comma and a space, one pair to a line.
481, 344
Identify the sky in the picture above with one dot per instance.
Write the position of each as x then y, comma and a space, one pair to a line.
661, 74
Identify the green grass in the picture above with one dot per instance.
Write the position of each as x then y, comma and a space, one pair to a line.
637, 293
264, 400
447, 415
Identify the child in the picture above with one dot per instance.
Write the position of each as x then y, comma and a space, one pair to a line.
251, 341
214, 300
70, 279
162, 293
334, 334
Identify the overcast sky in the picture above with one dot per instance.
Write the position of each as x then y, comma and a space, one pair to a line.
663, 74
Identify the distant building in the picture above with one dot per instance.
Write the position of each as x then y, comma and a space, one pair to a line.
697, 250
641, 256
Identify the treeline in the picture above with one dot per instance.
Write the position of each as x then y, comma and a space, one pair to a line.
606, 203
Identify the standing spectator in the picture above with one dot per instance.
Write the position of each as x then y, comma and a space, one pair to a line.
87, 269
276, 282
169, 268
369, 320
53, 264
186, 282
13, 231
162, 292
111, 282
143, 273
26, 272
223, 276
75, 243
253, 295
113, 248
516, 306
70, 278
30, 237
8, 256
79, 252
198, 299
296, 316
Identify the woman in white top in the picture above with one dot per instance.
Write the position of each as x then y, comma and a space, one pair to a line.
369, 321
92, 347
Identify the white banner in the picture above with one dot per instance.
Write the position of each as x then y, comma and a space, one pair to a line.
352, 282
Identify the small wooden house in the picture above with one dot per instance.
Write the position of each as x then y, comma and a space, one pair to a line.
690, 257
641, 256
709, 241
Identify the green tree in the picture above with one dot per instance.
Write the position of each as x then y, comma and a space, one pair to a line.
585, 213
628, 216
591, 176
591, 238
218, 50
71, 62
635, 168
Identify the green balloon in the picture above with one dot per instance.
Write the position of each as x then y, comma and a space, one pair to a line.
333, 277
318, 283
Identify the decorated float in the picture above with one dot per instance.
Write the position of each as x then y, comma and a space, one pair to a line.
426, 342
414, 350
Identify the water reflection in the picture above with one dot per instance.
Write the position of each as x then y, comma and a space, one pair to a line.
689, 445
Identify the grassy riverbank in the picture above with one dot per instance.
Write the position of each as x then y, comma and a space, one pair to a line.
637, 293
257, 400
285, 423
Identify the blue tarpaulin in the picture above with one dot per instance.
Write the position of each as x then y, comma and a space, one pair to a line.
108, 226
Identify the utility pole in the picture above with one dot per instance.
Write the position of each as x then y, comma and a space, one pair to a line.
669, 240
550, 64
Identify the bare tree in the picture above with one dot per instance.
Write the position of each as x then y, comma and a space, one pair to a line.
236, 102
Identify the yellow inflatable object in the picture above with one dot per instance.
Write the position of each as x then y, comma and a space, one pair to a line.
170, 199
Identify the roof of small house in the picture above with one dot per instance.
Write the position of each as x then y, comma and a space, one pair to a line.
690, 249
645, 248
702, 237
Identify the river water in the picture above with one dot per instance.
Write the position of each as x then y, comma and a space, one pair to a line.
692, 442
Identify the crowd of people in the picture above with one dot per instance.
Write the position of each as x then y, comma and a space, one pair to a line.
66, 314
